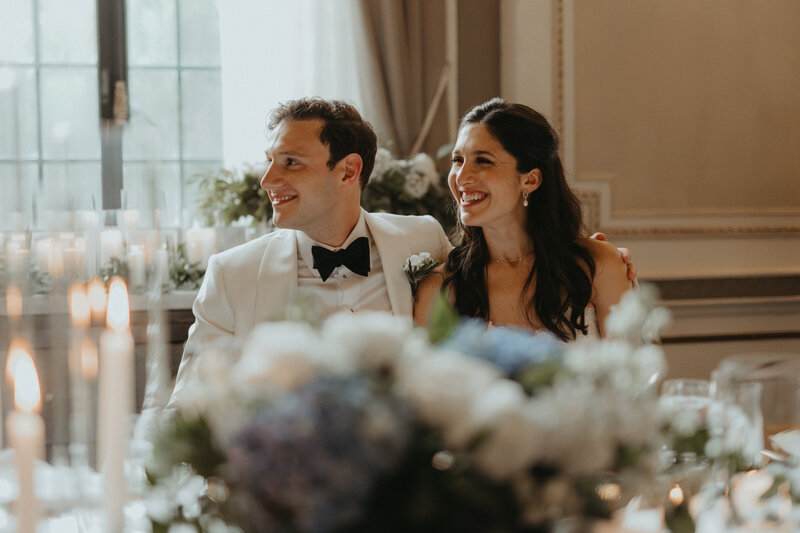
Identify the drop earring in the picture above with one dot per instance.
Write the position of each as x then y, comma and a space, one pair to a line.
525, 198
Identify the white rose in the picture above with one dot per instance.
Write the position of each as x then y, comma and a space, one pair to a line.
285, 355
444, 386
371, 339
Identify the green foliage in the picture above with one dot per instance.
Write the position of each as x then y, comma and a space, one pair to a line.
419, 497
115, 267
539, 376
225, 197
442, 319
185, 275
185, 440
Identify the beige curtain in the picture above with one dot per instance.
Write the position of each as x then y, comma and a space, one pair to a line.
406, 41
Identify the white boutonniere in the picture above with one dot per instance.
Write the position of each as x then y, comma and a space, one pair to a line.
418, 267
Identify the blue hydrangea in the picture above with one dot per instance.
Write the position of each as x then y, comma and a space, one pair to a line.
511, 349
309, 453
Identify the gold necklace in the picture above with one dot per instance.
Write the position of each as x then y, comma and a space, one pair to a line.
517, 260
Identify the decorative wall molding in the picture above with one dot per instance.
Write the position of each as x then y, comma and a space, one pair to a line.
595, 191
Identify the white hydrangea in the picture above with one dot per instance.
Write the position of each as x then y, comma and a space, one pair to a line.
423, 165
588, 427
284, 355
514, 439
416, 185
636, 317
373, 339
383, 162
444, 387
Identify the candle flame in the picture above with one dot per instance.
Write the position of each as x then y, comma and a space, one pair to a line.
79, 307
676, 495
18, 350
97, 296
14, 301
118, 317
89, 361
27, 395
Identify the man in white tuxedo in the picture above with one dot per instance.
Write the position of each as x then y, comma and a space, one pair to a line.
327, 248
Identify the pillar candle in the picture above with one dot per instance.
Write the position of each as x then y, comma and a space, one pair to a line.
116, 400
110, 245
136, 266
200, 244
80, 315
26, 434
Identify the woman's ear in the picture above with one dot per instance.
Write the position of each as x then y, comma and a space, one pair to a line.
352, 165
532, 180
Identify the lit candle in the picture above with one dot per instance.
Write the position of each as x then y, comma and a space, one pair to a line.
26, 435
116, 400
97, 299
110, 245
676, 495
200, 244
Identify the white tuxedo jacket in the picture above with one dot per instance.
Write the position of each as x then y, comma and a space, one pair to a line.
254, 282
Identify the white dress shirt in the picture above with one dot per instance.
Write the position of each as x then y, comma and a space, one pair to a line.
344, 290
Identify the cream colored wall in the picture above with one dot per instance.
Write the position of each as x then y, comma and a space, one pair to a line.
680, 123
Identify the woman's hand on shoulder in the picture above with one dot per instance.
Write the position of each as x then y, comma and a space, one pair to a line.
610, 279
427, 291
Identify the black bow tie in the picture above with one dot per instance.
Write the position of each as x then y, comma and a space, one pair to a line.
355, 257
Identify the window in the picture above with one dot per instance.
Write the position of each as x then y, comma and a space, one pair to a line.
50, 157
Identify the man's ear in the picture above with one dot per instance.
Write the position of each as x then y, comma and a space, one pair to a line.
532, 180
352, 165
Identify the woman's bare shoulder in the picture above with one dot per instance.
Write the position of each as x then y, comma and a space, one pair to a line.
606, 256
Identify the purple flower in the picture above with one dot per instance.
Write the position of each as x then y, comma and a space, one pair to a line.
311, 456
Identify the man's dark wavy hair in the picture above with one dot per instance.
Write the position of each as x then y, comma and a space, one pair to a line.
562, 286
344, 131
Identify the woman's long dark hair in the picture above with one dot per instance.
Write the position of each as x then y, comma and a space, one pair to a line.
562, 286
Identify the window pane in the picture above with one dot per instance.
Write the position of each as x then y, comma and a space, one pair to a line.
152, 32
68, 31
201, 108
69, 186
18, 183
190, 189
18, 108
16, 31
146, 184
199, 21
70, 123
153, 129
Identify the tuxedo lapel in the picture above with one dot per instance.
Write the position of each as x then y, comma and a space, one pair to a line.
394, 249
277, 276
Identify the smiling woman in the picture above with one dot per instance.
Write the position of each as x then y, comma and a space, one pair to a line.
522, 260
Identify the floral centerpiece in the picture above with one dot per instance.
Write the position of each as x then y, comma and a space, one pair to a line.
227, 197
409, 187
366, 425
403, 187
